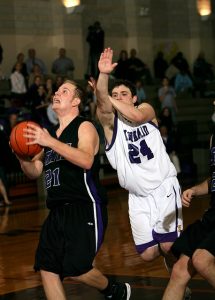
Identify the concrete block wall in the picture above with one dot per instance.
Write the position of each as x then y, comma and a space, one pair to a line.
147, 25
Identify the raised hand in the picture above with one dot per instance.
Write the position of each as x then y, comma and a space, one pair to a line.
105, 64
92, 83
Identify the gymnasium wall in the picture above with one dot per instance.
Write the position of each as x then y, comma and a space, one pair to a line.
147, 25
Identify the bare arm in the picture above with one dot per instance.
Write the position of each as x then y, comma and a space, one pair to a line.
104, 106
141, 114
83, 156
32, 168
197, 190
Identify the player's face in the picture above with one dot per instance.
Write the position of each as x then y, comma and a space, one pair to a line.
122, 93
65, 95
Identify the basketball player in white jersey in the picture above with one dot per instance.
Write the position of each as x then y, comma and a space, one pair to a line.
134, 148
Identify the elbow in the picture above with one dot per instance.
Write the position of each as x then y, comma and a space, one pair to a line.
88, 163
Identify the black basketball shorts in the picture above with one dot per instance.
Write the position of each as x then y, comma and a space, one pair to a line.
198, 235
70, 238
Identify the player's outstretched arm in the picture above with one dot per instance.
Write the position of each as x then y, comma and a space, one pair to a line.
105, 66
197, 190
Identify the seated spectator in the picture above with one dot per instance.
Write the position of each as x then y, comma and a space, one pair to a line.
121, 70
32, 60
4, 160
202, 73
33, 91
9, 164
39, 107
49, 87
183, 83
20, 59
58, 82
36, 71
1, 54
170, 143
167, 95
63, 65
141, 96
165, 119
171, 73
52, 116
180, 62
18, 87
12, 118
160, 66
137, 69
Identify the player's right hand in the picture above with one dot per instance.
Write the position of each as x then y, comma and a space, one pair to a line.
187, 196
105, 64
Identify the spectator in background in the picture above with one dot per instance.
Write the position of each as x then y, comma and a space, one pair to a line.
18, 86
141, 96
95, 39
36, 71
32, 60
183, 82
137, 69
20, 59
167, 95
33, 91
4, 149
202, 73
63, 65
160, 66
165, 119
8, 161
1, 54
121, 70
58, 82
49, 87
180, 62
171, 73
12, 119
39, 107
169, 140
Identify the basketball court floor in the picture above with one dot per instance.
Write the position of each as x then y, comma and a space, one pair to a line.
20, 225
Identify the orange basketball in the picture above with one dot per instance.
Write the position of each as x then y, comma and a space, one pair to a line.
18, 141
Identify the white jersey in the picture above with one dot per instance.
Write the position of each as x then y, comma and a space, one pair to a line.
139, 155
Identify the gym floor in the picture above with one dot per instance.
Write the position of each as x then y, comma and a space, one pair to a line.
20, 225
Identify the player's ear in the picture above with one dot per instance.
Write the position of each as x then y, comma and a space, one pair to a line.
76, 101
134, 99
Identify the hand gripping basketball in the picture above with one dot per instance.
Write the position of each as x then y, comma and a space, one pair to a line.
18, 141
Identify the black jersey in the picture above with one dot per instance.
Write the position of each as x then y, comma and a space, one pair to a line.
67, 182
212, 170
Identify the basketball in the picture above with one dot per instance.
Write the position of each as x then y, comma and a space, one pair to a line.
18, 141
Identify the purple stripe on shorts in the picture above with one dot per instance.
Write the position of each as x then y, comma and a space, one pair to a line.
141, 248
94, 193
165, 237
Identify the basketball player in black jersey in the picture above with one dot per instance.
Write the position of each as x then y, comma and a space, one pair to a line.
74, 229
195, 248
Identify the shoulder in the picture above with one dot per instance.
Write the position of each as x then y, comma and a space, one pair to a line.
86, 125
145, 105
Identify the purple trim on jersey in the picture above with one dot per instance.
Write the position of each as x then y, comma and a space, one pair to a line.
153, 124
108, 147
93, 190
